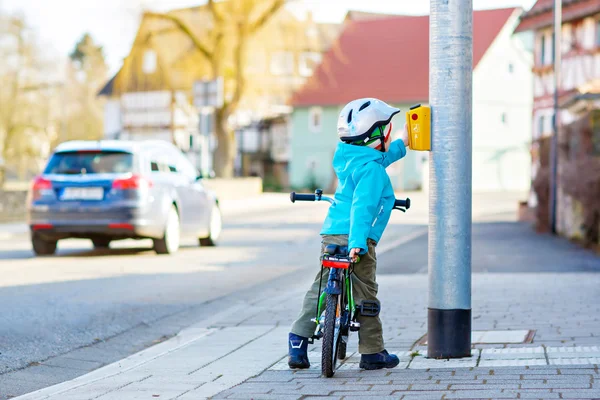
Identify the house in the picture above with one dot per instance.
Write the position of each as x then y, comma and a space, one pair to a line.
578, 89
389, 59
151, 95
264, 144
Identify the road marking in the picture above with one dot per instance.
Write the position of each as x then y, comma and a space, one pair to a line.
402, 240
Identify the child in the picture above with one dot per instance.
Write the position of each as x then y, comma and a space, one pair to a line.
363, 203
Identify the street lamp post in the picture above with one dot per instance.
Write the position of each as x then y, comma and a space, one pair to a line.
450, 96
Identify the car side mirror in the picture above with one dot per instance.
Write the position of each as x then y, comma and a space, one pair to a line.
200, 176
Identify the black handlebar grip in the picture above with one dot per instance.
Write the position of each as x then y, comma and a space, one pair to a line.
301, 197
402, 203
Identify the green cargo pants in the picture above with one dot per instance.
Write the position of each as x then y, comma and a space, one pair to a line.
370, 335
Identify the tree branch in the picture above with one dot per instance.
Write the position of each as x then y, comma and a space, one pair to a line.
260, 21
217, 16
185, 29
240, 50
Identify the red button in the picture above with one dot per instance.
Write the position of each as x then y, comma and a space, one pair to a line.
415, 117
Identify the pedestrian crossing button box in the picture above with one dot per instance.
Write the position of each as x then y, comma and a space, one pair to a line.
418, 124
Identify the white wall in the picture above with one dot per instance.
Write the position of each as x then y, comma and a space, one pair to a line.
501, 158
112, 118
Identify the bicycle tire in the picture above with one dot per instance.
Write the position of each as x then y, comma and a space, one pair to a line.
331, 336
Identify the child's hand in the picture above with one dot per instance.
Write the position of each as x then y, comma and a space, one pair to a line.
354, 254
404, 136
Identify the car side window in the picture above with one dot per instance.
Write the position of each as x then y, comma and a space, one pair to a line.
154, 166
183, 165
172, 168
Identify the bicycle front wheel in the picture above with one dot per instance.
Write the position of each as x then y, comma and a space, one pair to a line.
331, 335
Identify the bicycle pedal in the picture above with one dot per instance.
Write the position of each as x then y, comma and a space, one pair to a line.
370, 308
354, 326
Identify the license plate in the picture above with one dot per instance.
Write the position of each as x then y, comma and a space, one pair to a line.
83, 194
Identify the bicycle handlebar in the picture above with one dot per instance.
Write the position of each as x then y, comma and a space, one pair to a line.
401, 205
302, 197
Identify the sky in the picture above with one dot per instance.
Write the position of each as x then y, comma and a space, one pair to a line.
58, 24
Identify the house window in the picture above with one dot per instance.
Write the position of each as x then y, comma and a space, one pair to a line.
308, 63
541, 126
315, 119
149, 63
543, 50
504, 118
596, 132
511, 68
282, 63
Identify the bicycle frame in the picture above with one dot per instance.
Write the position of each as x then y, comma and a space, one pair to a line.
333, 288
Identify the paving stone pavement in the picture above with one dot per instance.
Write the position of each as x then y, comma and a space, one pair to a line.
560, 362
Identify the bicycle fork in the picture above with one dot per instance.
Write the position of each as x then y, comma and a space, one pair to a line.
334, 287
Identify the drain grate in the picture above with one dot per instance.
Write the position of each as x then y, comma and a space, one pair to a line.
496, 337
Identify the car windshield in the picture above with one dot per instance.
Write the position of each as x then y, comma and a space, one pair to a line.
100, 162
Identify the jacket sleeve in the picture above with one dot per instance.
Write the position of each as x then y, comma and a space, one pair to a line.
396, 152
365, 204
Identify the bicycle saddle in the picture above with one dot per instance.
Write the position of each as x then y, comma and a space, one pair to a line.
336, 250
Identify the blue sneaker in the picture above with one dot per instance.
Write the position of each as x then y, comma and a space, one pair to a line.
379, 360
298, 351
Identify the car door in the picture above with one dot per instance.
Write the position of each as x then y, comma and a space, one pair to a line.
168, 186
197, 199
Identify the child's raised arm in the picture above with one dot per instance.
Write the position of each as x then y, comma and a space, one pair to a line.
396, 152
397, 149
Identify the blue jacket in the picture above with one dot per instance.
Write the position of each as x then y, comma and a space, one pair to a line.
364, 198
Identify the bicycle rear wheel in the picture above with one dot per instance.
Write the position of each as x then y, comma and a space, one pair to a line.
331, 334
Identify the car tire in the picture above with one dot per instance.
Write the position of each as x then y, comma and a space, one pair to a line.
216, 227
101, 243
169, 244
43, 247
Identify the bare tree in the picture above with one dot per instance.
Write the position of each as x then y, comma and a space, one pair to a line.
23, 112
86, 73
235, 22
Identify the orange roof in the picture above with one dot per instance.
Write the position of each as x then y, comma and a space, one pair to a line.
541, 14
388, 59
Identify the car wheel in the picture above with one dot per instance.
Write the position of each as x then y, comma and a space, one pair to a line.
169, 243
43, 247
216, 226
101, 243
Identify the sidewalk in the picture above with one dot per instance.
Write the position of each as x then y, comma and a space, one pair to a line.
241, 353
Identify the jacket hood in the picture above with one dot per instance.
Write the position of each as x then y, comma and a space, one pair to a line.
349, 157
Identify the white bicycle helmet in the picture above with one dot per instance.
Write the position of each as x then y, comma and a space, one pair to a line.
364, 121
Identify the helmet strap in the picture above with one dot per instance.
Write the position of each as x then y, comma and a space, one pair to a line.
383, 144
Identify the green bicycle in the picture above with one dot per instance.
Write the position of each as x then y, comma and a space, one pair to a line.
336, 310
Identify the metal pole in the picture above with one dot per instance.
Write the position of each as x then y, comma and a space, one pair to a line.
450, 165
555, 122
